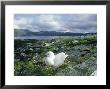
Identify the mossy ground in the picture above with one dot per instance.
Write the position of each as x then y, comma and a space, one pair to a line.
30, 55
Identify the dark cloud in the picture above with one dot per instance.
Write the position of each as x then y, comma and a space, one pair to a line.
57, 22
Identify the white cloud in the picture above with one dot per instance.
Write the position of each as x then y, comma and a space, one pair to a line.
33, 28
50, 20
16, 26
46, 18
21, 23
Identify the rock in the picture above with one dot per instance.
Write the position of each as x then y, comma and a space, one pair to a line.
83, 69
94, 73
47, 44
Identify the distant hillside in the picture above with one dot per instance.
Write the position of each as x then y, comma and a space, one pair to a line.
20, 32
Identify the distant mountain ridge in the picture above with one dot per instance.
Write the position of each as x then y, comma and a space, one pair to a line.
20, 32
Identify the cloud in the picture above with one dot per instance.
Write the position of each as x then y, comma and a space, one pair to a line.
81, 23
50, 21
21, 22
25, 23
56, 22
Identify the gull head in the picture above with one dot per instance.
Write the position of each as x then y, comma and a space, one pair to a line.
50, 58
50, 53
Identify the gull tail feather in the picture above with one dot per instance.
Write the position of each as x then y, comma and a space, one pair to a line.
66, 56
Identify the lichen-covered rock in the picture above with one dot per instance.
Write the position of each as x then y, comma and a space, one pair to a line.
83, 69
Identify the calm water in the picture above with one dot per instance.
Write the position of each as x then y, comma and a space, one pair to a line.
44, 37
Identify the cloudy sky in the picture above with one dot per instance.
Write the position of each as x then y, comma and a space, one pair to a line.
76, 23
